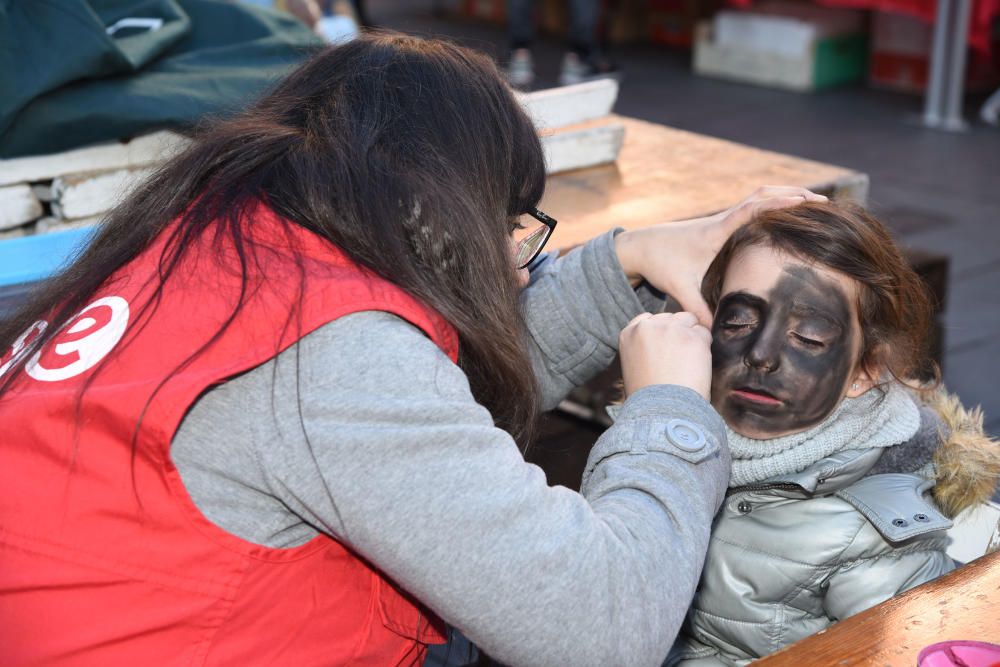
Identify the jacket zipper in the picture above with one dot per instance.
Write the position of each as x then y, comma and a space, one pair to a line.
790, 486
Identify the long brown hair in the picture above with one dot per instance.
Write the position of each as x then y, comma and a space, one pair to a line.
894, 308
411, 155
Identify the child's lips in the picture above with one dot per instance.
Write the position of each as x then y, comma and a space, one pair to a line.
757, 396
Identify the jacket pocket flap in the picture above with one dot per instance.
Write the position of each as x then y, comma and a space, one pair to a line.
896, 505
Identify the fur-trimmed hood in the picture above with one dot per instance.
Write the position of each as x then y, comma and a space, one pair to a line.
951, 447
967, 461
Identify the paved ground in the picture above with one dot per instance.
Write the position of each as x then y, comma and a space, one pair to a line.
937, 191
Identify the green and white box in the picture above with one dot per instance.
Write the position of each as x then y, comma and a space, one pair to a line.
783, 45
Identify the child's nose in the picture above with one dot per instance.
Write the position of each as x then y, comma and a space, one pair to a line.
764, 352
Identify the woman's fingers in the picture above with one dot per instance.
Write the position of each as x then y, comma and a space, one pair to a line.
788, 191
696, 323
669, 348
685, 318
690, 299
770, 203
638, 318
763, 199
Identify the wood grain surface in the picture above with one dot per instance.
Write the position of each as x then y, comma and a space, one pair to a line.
664, 174
963, 604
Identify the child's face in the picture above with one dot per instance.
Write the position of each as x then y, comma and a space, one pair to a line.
785, 342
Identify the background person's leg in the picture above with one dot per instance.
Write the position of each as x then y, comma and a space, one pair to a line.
584, 61
521, 31
583, 27
521, 23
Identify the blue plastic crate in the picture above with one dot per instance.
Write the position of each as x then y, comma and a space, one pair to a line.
27, 260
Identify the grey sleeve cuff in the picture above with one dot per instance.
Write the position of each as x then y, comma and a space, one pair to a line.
669, 419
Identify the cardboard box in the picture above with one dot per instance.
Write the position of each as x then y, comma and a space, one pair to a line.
795, 47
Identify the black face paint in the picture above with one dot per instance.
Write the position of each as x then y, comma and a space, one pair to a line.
780, 364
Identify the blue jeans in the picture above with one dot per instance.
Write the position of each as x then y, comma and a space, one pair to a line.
458, 652
582, 24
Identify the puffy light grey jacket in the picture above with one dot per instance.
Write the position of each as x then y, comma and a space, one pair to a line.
792, 555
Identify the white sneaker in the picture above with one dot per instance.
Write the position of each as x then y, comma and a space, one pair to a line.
577, 70
520, 69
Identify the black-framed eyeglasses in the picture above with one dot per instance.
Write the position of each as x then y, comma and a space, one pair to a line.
531, 234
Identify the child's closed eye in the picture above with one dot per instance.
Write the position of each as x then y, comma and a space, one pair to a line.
738, 324
809, 342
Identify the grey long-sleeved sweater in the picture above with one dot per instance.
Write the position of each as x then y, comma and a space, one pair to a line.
369, 433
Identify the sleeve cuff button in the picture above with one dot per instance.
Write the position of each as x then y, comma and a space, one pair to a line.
686, 435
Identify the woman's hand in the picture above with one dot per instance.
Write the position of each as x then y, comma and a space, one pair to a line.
669, 348
673, 257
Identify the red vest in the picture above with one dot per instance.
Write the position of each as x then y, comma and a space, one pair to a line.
104, 559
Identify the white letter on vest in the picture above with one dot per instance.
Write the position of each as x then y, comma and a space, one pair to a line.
83, 342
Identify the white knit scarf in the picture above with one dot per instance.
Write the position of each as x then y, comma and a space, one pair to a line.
874, 419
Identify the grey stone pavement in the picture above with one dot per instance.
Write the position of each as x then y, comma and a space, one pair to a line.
937, 191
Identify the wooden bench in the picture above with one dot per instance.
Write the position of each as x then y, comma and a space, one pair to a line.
964, 604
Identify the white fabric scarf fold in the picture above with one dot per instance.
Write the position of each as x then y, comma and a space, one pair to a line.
877, 418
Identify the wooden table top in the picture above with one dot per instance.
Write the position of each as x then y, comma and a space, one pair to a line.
664, 174
963, 604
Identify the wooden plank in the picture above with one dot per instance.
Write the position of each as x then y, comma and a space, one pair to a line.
142, 151
582, 146
569, 105
18, 205
665, 174
77, 197
964, 604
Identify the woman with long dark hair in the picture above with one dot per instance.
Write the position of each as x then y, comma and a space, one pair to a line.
269, 415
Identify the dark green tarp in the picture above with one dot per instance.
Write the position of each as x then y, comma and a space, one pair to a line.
65, 82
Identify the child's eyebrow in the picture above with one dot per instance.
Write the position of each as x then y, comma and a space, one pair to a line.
809, 311
745, 298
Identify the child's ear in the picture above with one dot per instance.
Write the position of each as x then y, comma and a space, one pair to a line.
861, 383
865, 377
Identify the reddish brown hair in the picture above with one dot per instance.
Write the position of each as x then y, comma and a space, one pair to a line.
893, 305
